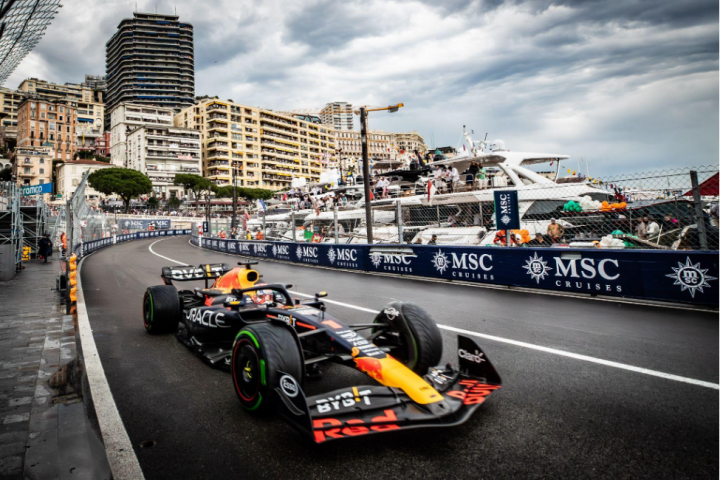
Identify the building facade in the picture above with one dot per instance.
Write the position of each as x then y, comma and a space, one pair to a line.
160, 152
409, 142
95, 82
48, 123
33, 165
89, 105
381, 146
337, 114
10, 101
268, 149
69, 174
125, 118
150, 61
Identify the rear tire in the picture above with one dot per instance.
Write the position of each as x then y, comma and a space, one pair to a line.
161, 309
413, 336
261, 350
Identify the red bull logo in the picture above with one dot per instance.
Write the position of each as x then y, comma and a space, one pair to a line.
371, 366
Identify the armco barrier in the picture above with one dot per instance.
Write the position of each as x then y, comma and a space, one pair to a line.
82, 249
673, 276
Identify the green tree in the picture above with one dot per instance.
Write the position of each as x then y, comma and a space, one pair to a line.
123, 182
6, 174
173, 203
152, 203
85, 154
201, 188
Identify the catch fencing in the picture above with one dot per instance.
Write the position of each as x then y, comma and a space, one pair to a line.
662, 210
683, 277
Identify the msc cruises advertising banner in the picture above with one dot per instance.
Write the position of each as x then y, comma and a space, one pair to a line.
690, 277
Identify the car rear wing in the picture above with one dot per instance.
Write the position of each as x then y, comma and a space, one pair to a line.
188, 273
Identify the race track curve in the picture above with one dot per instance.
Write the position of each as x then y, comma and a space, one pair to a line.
556, 415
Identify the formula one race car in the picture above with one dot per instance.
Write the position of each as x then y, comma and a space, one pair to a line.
271, 342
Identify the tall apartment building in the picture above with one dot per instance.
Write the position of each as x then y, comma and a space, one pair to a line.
126, 117
337, 114
160, 152
267, 148
48, 123
150, 61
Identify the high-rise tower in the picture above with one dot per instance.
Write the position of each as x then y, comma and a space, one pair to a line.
150, 60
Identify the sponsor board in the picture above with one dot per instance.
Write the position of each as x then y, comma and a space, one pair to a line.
689, 277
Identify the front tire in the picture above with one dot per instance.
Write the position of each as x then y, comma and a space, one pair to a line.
412, 335
161, 309
261, 350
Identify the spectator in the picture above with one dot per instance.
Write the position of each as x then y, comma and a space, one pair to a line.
481, 176
641, 229
500, 238
454, 179
538, 241
222, 234
418, 241
63, 239
259, 235
233, 233
714, 214
248, 235
555, 231
45, 248
433, 240
653, 229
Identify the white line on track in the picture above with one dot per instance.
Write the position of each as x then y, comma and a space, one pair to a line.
531, 346
121, 456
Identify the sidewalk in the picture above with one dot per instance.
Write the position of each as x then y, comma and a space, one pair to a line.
45, 431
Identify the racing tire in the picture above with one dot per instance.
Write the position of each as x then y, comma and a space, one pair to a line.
413, 336
259, 351
161, 309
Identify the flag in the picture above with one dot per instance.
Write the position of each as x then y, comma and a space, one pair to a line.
261, 205
246, 217
430, 191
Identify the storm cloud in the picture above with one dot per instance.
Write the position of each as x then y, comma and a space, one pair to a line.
628, 85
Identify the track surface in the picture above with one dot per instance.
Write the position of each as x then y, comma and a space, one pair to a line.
554, 417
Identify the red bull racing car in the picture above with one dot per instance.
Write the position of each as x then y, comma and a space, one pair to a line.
271, 342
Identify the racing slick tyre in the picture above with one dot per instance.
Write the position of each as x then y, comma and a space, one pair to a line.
412, 335
261, 350
161, 309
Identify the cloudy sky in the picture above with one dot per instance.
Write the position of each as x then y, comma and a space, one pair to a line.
629, 85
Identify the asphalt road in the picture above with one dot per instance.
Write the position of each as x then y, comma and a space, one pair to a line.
555, 416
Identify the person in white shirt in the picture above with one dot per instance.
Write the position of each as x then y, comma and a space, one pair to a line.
454, 179
653, 229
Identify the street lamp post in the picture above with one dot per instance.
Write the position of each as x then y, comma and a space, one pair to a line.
363, 112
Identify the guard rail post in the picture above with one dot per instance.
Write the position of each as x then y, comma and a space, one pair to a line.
335, 220
293, 226
399, 221
699, 215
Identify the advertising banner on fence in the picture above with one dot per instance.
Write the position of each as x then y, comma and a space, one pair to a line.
128, 224
690, 277
36, 189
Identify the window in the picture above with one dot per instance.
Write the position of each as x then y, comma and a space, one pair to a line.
75, 181
42, 160
42, 171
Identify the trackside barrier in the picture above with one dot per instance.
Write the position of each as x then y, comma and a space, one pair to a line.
82, 249
672, 276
